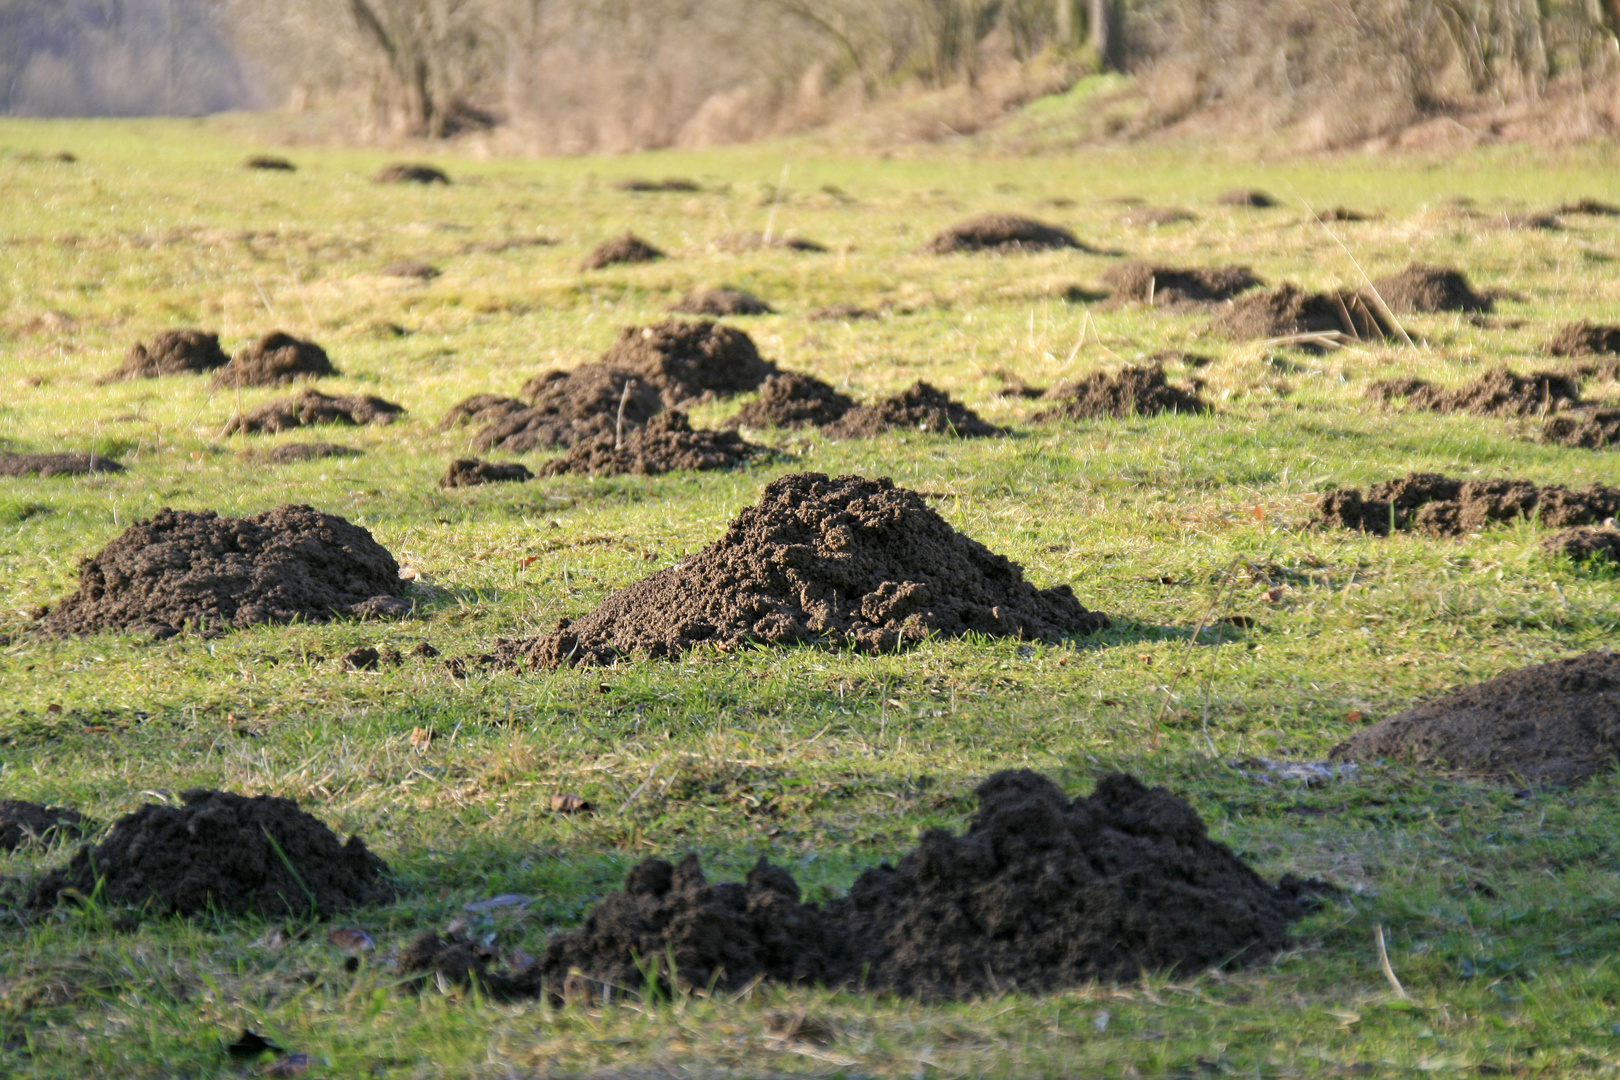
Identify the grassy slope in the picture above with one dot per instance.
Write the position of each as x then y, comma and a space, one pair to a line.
1499, 909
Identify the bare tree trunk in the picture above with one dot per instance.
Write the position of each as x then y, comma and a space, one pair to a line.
1108, 34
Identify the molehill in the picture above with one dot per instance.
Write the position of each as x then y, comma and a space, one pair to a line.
173, 352
666, 443
1132, 391
920, 407
313, 407
1441, 506
1498, 392
792, 400
690, 361
1288, 310
721, 302
410, 174
56, 464
628, 248
470, 472
567, 406
1429, 289
35, 823
274, 360
1176, 288
1000, 233
1585, 542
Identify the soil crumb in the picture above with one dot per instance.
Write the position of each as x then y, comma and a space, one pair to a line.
1288, 310
841, 313
791, 400
1177, 289
628, 248
410, 268
1250, 197
56, 464
480, 409
1429, 289
1591, 429
1585, 339
173, 352
269, 162
669, 183
920, 407
721, 302
23, 823
314, 407
196, 569
569, 406
273, 360
223, 852
292, 453
1498, 392
690, 362
666, 443
1005, 233
753, 241
847, 563
410, 174
1442, 506
470, 472
1601, 543
1556, 723
1133, 391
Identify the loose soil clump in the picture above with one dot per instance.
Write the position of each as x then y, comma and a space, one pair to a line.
1429, 289
291, 453
411, 268
266, 161
570, 406
56, 464
470, 472
1249, 197
846, 563
223, 852
753, 241
791, 400
24, 823
721, 302
628, 248
410, 174
1498, 392
480, 409
314, 407
666, 443
1556, 723
197, 569
920, 407
1587, 542
273, 360
1589, 428
1288, 310
1177, 289
690, 361
1002, 233
1585, 339
1442, 506
173, 352
1133, 391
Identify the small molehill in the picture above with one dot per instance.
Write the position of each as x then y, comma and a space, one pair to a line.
1429, 289
1555, 723
1589, 428
920, 407
791, 400
690, 362
411, 268
173, 352
1338, 214
666, 443
197, 569
846, 563
269, 162
756, 241
1289, 311
841, 313
56, 464
480, 409
410, 174
221, 852
1442, 506
1498, 392
292, 453
1133, 391
1154, 217
721, 302
570, 406
1250, 197
470, 472
1599, 543
273, 360
24, 823
314, 407
1002, 233
669, 183
1585, 339
628, 248
1587, 208
1177, 289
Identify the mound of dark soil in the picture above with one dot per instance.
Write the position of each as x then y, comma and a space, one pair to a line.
291, 453
1555, 723
850, 562
1588, 208
194, 568
1593, 429
223, 852
56, 464
1601, 543
410, 174
1344, 214
1429, 289
1000, 233
669, 183
1250, 197
920, 407
314, 407
35, 823
1585, 339
267, 161
1288, 310
480, 409
1442, 506
791, 400
1177, 289
628, 248
1133, 391
173, 352
721, 302
569, 406
841, 313
275, 359
1543, 222
753, 241
410, 268
690, 361
1498, 392
666, 443
470, 472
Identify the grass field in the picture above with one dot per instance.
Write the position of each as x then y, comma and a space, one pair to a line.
1501, 908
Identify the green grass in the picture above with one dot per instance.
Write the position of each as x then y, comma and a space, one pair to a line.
1499, 907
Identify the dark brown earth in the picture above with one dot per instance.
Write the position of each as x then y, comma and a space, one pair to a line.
1040, 894
1133, 391
669, 183
173, 352
24, 823
411, 268
1556, 723
721, 302
56, 464
1535, 220
846, 563
1600, 543
1590, 428
920, 407
1176, 289
1585, 339
470, 472
1343, 213
275, 359
1249, 197
690, 361
570, 406
410, 174
1498, 392
314, 407
1428, 502
666, 443
266, 161
290, 453
221, 852
791, 400
1588, 208
196, 569
480, 409
840, 313
753, 241
1429, 289
1003, 233
1288, 310
628, 248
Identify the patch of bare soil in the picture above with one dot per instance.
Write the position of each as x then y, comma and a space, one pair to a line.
1132, 391
666, 443
411, 268
1428, 289
1534, 221
1586, 542
628, 248
1250, 197
23, 823
920, 407
1585, 339
291, 453
56, 464
1177, 289
480, 409
222, 852
1154, 217
721, 302
173, 352
269, 162
273, 360
669, 183
1002, 233
1498, 392
470, 472
314, 407
1587, 208
410, 174
1590, 428
841, 313
196, 569
1441, 506
791, 400
1556, 723
738, 243
570, 406
1289, 311
690, 361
